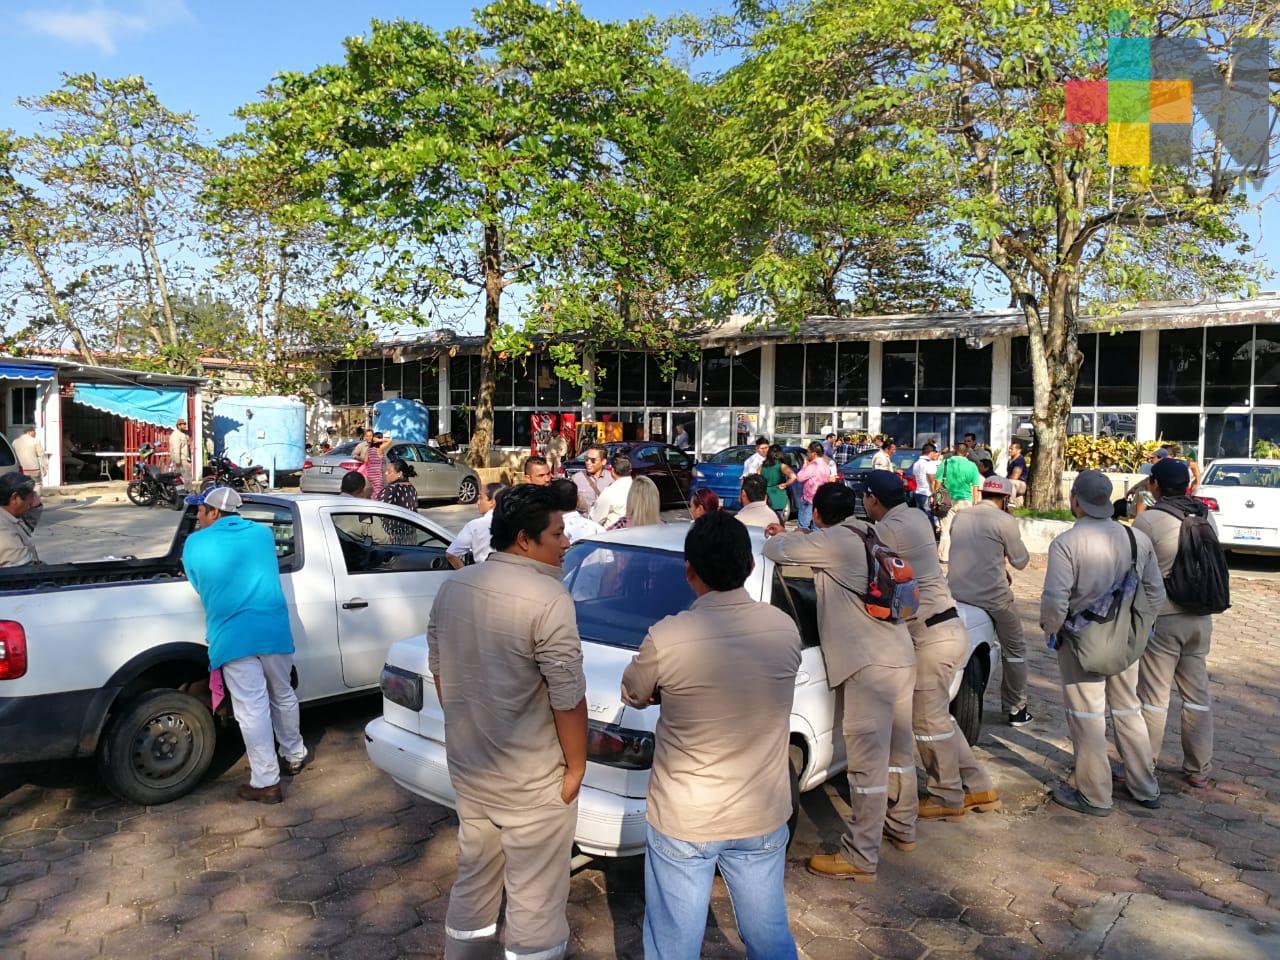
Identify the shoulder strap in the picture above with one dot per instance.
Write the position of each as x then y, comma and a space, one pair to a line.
1165, 507
1133, 545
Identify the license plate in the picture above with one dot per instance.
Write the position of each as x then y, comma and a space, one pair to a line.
1248, 533
326, 469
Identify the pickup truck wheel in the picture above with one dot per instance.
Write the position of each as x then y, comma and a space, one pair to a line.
795, 764
468, 490
967, 706
157, 748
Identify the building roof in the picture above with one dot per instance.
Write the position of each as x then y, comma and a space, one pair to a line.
69, 370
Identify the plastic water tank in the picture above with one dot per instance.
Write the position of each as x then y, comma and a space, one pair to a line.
260, 430
402, 419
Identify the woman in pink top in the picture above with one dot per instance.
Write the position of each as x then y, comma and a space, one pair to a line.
812, 475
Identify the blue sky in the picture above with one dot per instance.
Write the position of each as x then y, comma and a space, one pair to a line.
211, 56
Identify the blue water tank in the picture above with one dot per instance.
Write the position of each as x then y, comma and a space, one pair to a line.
258, 430
402, 419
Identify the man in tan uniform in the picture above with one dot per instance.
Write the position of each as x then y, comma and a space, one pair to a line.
504, 651
981, 541
180, 451
872, 664
17, 496
957, 783
754, 509
1180, 643
32, 460
719, 794
1085, 564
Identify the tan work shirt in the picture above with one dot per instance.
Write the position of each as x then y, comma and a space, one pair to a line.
503, 638
757, 514
31, 456
907, 532
725, 670
1086, 562
851, 638
982, 539
1164, 529
179, 448
16, 545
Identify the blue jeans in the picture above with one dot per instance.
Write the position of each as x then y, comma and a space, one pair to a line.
804, 514
922, 501
677, 892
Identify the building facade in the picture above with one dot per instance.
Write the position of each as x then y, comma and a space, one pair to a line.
1206, 374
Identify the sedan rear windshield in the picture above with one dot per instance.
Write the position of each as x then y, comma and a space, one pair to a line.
620, 591
1243, 475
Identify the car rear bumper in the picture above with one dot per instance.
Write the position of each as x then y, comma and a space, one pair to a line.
727, 492
608, 825
313, 481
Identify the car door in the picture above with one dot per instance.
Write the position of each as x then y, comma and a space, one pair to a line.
680, 469
441, 474
407, 453
388, 565
647, 457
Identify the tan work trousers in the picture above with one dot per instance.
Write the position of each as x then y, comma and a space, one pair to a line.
876, 709
950, 765
944, 527
1176, 654
1087, 697
1013, 657
527, 853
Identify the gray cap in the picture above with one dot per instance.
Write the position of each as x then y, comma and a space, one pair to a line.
1093, 490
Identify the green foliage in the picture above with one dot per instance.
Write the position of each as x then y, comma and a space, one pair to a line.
1065, 515
1266, 450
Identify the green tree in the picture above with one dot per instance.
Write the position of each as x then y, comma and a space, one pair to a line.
456, 164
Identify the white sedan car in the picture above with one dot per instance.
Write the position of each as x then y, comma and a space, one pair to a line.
1244, 498
622, 583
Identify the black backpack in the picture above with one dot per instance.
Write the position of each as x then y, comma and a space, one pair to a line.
1199, 581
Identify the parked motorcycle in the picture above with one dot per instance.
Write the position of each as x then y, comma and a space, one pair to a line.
150, 485
224, 472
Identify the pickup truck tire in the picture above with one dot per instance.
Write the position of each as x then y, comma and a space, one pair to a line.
967, 706
157, 747
139, 494
468, 490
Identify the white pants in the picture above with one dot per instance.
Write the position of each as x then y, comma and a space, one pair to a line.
267, 710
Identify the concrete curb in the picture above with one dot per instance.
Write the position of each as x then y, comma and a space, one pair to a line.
1037, 534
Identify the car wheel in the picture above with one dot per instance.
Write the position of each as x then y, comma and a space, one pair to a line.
795, 763
468, 490
140, 494
967, 706
157, 748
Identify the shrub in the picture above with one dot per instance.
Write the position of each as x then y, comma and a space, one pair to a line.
1109, 454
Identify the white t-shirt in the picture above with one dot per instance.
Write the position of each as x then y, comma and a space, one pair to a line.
473, 539
611, 505
577, 527
752, 465
922, 470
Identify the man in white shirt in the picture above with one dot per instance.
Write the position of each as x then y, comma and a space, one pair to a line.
611, 505
474, 537
924, 470
756, 460
883, 460
576, 526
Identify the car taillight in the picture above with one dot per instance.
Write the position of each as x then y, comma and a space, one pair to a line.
307, 464
1209, 502
13, 650
350, 465
401, 687
616, 746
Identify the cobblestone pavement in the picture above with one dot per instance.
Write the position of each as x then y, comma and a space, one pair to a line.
352, 866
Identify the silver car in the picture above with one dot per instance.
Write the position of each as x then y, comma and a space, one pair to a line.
436, 477
8, 461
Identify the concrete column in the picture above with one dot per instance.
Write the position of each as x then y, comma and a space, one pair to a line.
767, 381
1001, 383
445, 424
875, 381
49, 428
197, 436
1148, 368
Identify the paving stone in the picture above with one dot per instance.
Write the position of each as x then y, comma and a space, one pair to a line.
831, 948
254, 945
891, 944
146, 940
65, 948
211, 928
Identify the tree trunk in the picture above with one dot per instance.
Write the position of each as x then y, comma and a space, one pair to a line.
482, 436
1055, 364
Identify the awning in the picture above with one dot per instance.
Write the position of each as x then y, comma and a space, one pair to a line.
161, 406
25, 371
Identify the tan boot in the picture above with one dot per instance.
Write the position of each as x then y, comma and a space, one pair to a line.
834, 866
931, 808
906, 846
985, 802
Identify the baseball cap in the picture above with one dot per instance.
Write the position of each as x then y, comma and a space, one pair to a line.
886, 487
1093, 490
1171, 473
998, 485
1161, 453
222, 499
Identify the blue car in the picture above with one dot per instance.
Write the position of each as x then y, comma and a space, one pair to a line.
722, 472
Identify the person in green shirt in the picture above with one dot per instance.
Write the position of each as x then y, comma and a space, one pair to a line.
960, 476
778, 476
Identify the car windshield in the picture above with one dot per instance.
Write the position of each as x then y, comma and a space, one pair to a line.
1243, 475
732, 455
344, 448
620, 591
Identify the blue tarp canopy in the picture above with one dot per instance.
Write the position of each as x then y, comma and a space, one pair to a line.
161, 406
10, 370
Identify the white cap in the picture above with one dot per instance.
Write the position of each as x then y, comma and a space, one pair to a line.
222, 499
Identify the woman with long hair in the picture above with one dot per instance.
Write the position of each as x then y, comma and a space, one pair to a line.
375, 464
643, 505
778, 476
702, 502
397, 489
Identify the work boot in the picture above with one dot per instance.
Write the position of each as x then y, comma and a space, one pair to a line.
906, 846
835, 867
271, 794
985, 802
291, 768
931, 808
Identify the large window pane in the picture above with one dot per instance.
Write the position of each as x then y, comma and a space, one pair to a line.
631, 382
898, 374
685, 386
1226, 435
372, 380
1183, 428
523, 429
1080, 424
820, 374
1085, 382
1266, 365
973, 375
608, 371
430, 367
504, 388
1226, 366
746, 379
934, 373
932, 428
716, 367
1266, 426
392, 377
411, 380
788, 375
657, 391
898, 426
462, 423
1124, 425
502, 432
570, 392
979, 424
524, 372
1021, 393
851, 421
1118, 362
339, 380
788, 428
459, 380
1178, 379
851, 380
548, 385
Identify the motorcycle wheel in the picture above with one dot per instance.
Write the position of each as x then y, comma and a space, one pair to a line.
207, 483
252, 485
141, 494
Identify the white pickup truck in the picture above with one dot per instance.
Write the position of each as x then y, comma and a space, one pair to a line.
109, 657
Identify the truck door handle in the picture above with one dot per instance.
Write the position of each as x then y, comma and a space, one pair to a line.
355, 603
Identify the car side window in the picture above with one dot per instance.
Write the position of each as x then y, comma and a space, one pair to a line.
797, 597
430, 454
378, 543
677, 458
644, 455
402, 451
280, 520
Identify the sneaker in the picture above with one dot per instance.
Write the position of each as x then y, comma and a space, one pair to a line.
1020, 718
932, 808
1152, 804
835, 867
1067, 797
1197, 781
